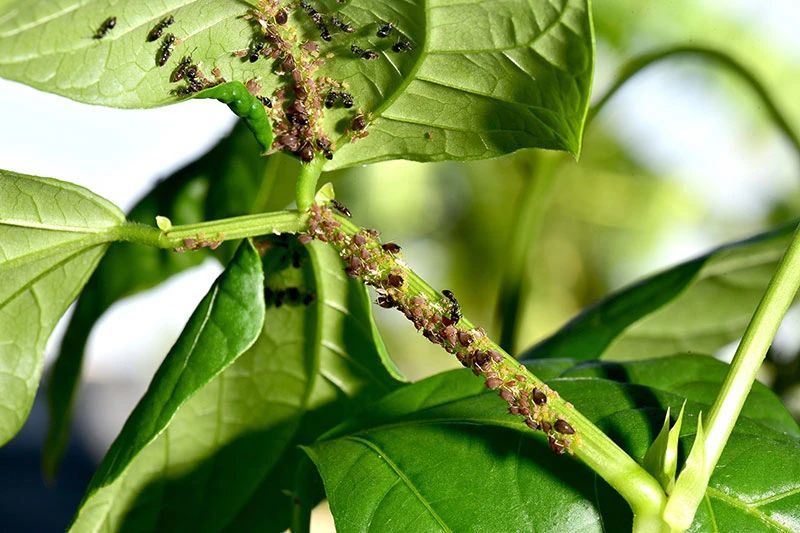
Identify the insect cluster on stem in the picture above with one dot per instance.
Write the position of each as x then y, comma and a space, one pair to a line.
440, 321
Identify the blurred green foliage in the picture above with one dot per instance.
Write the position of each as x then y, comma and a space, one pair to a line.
608, 216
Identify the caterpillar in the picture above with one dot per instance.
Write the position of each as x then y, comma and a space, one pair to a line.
244, 105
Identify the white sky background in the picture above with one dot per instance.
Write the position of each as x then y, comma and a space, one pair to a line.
119, 154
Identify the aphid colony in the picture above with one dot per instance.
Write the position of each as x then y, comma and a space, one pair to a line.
440, 321
201, 241
298, 108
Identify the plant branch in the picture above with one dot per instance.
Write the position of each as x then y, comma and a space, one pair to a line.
748, 358
210, 234
438, 316
307, 183
637, 64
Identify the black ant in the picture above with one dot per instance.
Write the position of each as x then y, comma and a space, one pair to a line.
180, 71
331, 99
343, 26
159, 28
105, 27
339, 206
347, 100
455, 308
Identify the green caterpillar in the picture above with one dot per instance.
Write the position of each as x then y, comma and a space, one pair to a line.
246, 106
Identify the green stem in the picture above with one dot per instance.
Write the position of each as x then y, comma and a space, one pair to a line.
218, 230
307, 183
642, 492
637, 64
750, 354
526, 226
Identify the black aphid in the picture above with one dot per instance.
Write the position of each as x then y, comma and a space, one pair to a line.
402, 46
385, 30
306, 153
255, 51
281, 17
159, 28
391, 247
357, 50
105, 27
539, 397
395, 280
347, 100
370, 55
166, 50
180, 71
331, 99
343, 26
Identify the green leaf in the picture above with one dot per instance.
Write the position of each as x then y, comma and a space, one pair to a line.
443, 454
227, 459
481, 80
230, 180
697, 306
661, 459
52, 234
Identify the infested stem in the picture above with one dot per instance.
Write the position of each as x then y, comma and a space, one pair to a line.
307, 183
567, 429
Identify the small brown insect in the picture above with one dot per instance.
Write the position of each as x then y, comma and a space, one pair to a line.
539, 397
281, 17
395, 280
494, 383
546, 426
370, 55
359, 123
306, 153
562, 426
180, 71
557, 447
105, 27
392, 248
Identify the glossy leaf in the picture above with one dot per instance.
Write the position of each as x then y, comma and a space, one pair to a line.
227, 458
480, 80
697, 306
52, 234
203, 190
443, 454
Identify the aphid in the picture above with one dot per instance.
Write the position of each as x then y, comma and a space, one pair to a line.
392, 248
387, 302
455, 308
292, 295
395, 280
357, 50
531, 423
331, 99
159, 28
180, 71
562, 426
304, 238
464, 338
494, 356
370, 55
347, 100
359, 123
289, 64
359, 239
309, 298
255, 51
507, 395
546, 426
265, 101
105, 27
343, 26
557, 447
385, 30
539, 397
494, 383
306, 153
402, 46
166, 50
339, 206
281, 17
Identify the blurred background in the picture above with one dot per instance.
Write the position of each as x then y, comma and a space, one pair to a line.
682, 159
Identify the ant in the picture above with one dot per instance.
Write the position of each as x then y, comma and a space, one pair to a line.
105, 27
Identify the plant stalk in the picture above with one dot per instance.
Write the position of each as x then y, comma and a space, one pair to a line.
746, 362
307, 183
